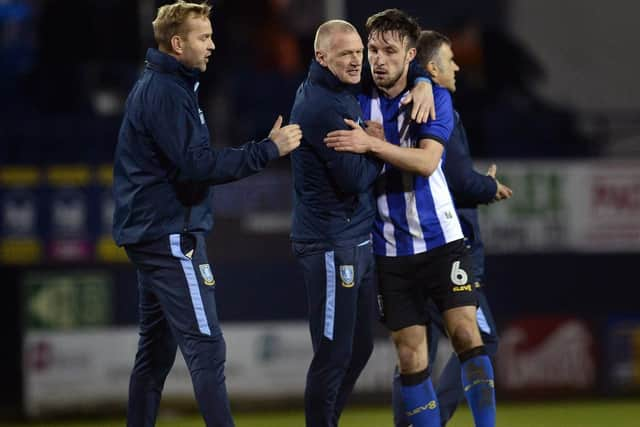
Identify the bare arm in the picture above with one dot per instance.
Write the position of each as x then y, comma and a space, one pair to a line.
423, 160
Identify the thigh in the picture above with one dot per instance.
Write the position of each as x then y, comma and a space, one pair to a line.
177, 272
462, 327
313, 263
337, 281
446, 277
367, 292
400, 297
435, 329
156, 336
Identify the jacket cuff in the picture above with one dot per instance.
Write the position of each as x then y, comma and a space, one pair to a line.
271, 148
492, 189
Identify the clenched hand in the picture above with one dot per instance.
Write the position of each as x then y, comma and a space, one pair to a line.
502, 191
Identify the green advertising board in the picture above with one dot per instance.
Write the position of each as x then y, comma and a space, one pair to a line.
67, 300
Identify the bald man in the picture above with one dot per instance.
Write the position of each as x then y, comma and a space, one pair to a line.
333, 218
332, 221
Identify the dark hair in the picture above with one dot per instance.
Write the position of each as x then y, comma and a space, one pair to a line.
394, 20
428, 45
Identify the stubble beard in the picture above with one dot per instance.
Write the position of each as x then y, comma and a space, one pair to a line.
388, 83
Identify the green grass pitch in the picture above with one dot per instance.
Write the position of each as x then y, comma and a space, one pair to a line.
604, 413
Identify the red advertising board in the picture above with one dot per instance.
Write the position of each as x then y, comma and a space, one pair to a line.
546, 355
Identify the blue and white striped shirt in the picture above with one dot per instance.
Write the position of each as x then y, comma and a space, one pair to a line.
414, 213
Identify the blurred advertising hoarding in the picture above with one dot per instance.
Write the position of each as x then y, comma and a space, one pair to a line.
547, 355
623, 353
62, 214
565, 206
65, 370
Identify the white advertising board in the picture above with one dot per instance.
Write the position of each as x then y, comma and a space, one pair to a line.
577, 206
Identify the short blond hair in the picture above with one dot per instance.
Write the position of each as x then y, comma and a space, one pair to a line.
170, 18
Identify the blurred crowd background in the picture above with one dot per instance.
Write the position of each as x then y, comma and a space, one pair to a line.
548, 90
536, 81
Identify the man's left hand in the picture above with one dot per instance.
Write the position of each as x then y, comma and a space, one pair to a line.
423, 106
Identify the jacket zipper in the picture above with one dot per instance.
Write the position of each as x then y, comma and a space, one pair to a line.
187, 217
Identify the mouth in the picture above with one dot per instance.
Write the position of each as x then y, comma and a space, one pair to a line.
380, 73
353, 72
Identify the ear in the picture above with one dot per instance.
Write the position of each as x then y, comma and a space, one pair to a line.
432, 69
320, 57
176, 44
411, 54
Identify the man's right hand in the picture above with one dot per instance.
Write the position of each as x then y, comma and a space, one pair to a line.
502, 191
286, 138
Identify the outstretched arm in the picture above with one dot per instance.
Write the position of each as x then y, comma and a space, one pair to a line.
469, 187
184, 140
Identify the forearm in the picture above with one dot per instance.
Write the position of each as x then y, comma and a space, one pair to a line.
468, 186
227, 164
414, 160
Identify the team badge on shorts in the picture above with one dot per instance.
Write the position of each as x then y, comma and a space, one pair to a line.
346, 275
207, 275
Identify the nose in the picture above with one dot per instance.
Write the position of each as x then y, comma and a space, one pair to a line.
212, 45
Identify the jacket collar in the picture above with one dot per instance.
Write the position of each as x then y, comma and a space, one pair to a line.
324, 77
164, 63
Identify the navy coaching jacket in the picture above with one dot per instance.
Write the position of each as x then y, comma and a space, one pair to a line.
332, 197
164, 163
469, 189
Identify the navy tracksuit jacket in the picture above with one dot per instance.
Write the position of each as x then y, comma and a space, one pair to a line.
333, 212
163, 171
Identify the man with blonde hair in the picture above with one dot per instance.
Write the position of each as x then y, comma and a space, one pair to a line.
164, 168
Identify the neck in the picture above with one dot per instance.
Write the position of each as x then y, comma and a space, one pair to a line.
168, 52
396, 89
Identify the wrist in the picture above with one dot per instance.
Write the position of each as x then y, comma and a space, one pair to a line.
376, 145
422, 79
